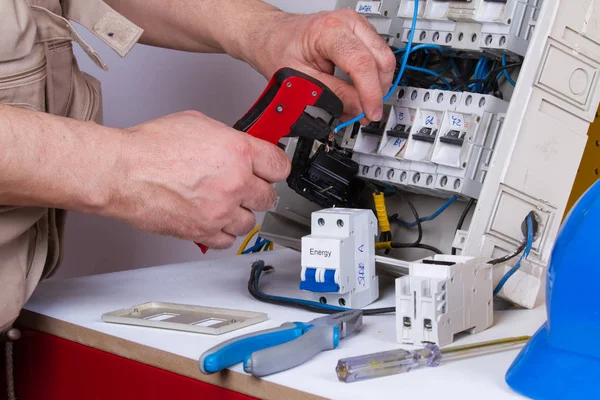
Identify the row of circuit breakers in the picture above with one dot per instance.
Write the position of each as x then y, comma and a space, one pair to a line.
496, 26
440, 142
433, 142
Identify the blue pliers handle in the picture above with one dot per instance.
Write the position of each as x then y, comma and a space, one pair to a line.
274, 350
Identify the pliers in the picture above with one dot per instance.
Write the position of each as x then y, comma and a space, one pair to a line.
275, 350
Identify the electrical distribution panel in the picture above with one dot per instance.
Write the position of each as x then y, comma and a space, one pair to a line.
504, 131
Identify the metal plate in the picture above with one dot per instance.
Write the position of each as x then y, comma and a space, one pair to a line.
188, 318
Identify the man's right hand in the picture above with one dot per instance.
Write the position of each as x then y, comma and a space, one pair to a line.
191, 177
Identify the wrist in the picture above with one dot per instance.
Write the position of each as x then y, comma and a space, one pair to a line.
256, 42
103, 177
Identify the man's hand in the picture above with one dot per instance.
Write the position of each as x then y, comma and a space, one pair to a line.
315, 43
191, 177
183, 175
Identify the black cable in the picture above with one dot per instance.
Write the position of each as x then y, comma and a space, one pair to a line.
394, 219
509, 257
521, 248
462, 219
428, 247
258, 267
494, 73
416, 246
470, 82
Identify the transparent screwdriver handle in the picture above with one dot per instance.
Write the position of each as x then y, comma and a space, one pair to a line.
387, 363
400, 361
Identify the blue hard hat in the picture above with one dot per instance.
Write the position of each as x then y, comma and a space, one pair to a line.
562, 360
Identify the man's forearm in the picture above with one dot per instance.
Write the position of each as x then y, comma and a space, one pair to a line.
49, 161
231, 26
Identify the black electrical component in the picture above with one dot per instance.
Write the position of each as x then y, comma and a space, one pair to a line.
328, 178
426, 135
453, 137
399, 131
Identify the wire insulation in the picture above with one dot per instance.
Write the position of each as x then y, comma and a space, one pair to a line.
428, 218
513, 270
505, 72
382, 215
258, 267
432, 73
247, 240
462, 219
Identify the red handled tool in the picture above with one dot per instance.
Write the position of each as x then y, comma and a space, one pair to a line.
293, 105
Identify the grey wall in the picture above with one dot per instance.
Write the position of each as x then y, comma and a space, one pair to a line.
150, 83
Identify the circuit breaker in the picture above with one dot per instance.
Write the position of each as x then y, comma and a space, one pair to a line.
442, 296
338, 258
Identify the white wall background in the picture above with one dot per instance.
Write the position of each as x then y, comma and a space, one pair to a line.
150, 83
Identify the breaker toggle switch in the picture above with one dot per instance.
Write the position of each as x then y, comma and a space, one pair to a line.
319, 281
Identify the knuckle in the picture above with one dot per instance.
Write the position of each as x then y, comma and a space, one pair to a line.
364, 63
237, 183
248, 224
389, 63
267, 199
349, 13
242, 149
331, 21
191, 113
219, 212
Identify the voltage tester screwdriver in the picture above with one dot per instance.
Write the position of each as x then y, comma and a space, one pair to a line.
400, 361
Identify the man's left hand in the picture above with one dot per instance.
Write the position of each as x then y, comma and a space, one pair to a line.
316, 43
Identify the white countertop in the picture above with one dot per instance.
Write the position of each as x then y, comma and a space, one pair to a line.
223, 283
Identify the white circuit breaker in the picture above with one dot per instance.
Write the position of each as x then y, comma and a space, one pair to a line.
338, 258
443, 296
434, 142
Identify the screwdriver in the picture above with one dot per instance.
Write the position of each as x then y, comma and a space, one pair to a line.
400, 361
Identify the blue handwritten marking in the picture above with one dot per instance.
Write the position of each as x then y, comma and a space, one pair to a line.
429, 120
361, 274
401, 116
456, 121
365, 8
361, 248
398, 142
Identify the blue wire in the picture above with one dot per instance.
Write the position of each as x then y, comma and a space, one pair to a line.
421, 47
430, 72
525, 254
455, 68
505, 72
402, 68
256, 247
481, 73
432, 216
